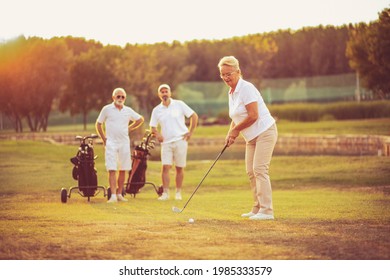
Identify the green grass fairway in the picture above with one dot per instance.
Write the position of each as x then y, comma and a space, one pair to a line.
360, 127
325, 208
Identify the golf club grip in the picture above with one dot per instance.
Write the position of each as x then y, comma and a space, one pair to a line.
204, 177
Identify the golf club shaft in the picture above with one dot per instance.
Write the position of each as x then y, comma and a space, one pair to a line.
220, 154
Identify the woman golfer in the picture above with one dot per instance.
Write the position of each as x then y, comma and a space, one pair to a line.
251, 117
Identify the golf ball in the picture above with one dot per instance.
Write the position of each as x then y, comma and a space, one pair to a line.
191, 220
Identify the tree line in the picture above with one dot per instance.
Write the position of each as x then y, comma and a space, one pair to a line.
78, 75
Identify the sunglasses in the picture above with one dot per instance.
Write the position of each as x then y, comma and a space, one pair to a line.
227, 75
120, 97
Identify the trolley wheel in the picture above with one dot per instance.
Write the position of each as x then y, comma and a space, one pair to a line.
108, 193
64, 195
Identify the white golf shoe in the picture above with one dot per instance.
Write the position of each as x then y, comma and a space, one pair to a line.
178, 196
164, 196
247, 215
261, 216
121, 198
113, 199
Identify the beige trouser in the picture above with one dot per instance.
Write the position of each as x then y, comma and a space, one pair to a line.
258, 156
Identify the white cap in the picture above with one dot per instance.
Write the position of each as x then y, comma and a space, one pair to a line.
163, 86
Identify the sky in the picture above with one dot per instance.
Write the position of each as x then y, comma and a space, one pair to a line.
118, 22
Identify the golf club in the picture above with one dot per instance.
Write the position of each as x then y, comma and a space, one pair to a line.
177, 210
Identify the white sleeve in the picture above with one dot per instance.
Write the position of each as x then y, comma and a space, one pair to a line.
250, 94
102, 116
186, 109
134, 116
153, 119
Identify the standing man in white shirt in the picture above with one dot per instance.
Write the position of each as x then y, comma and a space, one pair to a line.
119, 120
170, 115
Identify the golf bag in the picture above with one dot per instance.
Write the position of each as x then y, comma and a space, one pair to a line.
137, 174
84, 166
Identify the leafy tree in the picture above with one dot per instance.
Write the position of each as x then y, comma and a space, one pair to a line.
145, 67
35, 73
281, 64
172, 62
253, 52
91, 81
9, 59
310, 51
368, 50
202, 53
80, 74
48, 65
79, 45
140, 74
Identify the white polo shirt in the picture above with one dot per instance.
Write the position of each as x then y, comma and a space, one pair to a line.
171, 120
244, 94
117, 121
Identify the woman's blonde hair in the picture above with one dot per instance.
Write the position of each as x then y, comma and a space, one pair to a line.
229, 61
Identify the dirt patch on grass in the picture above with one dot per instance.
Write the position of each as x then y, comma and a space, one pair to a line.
146, 229
206, 239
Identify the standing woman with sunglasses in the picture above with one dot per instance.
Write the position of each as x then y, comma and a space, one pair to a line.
251, 117
118, 120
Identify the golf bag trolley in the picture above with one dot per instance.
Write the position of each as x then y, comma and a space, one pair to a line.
84, 170
137, 174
